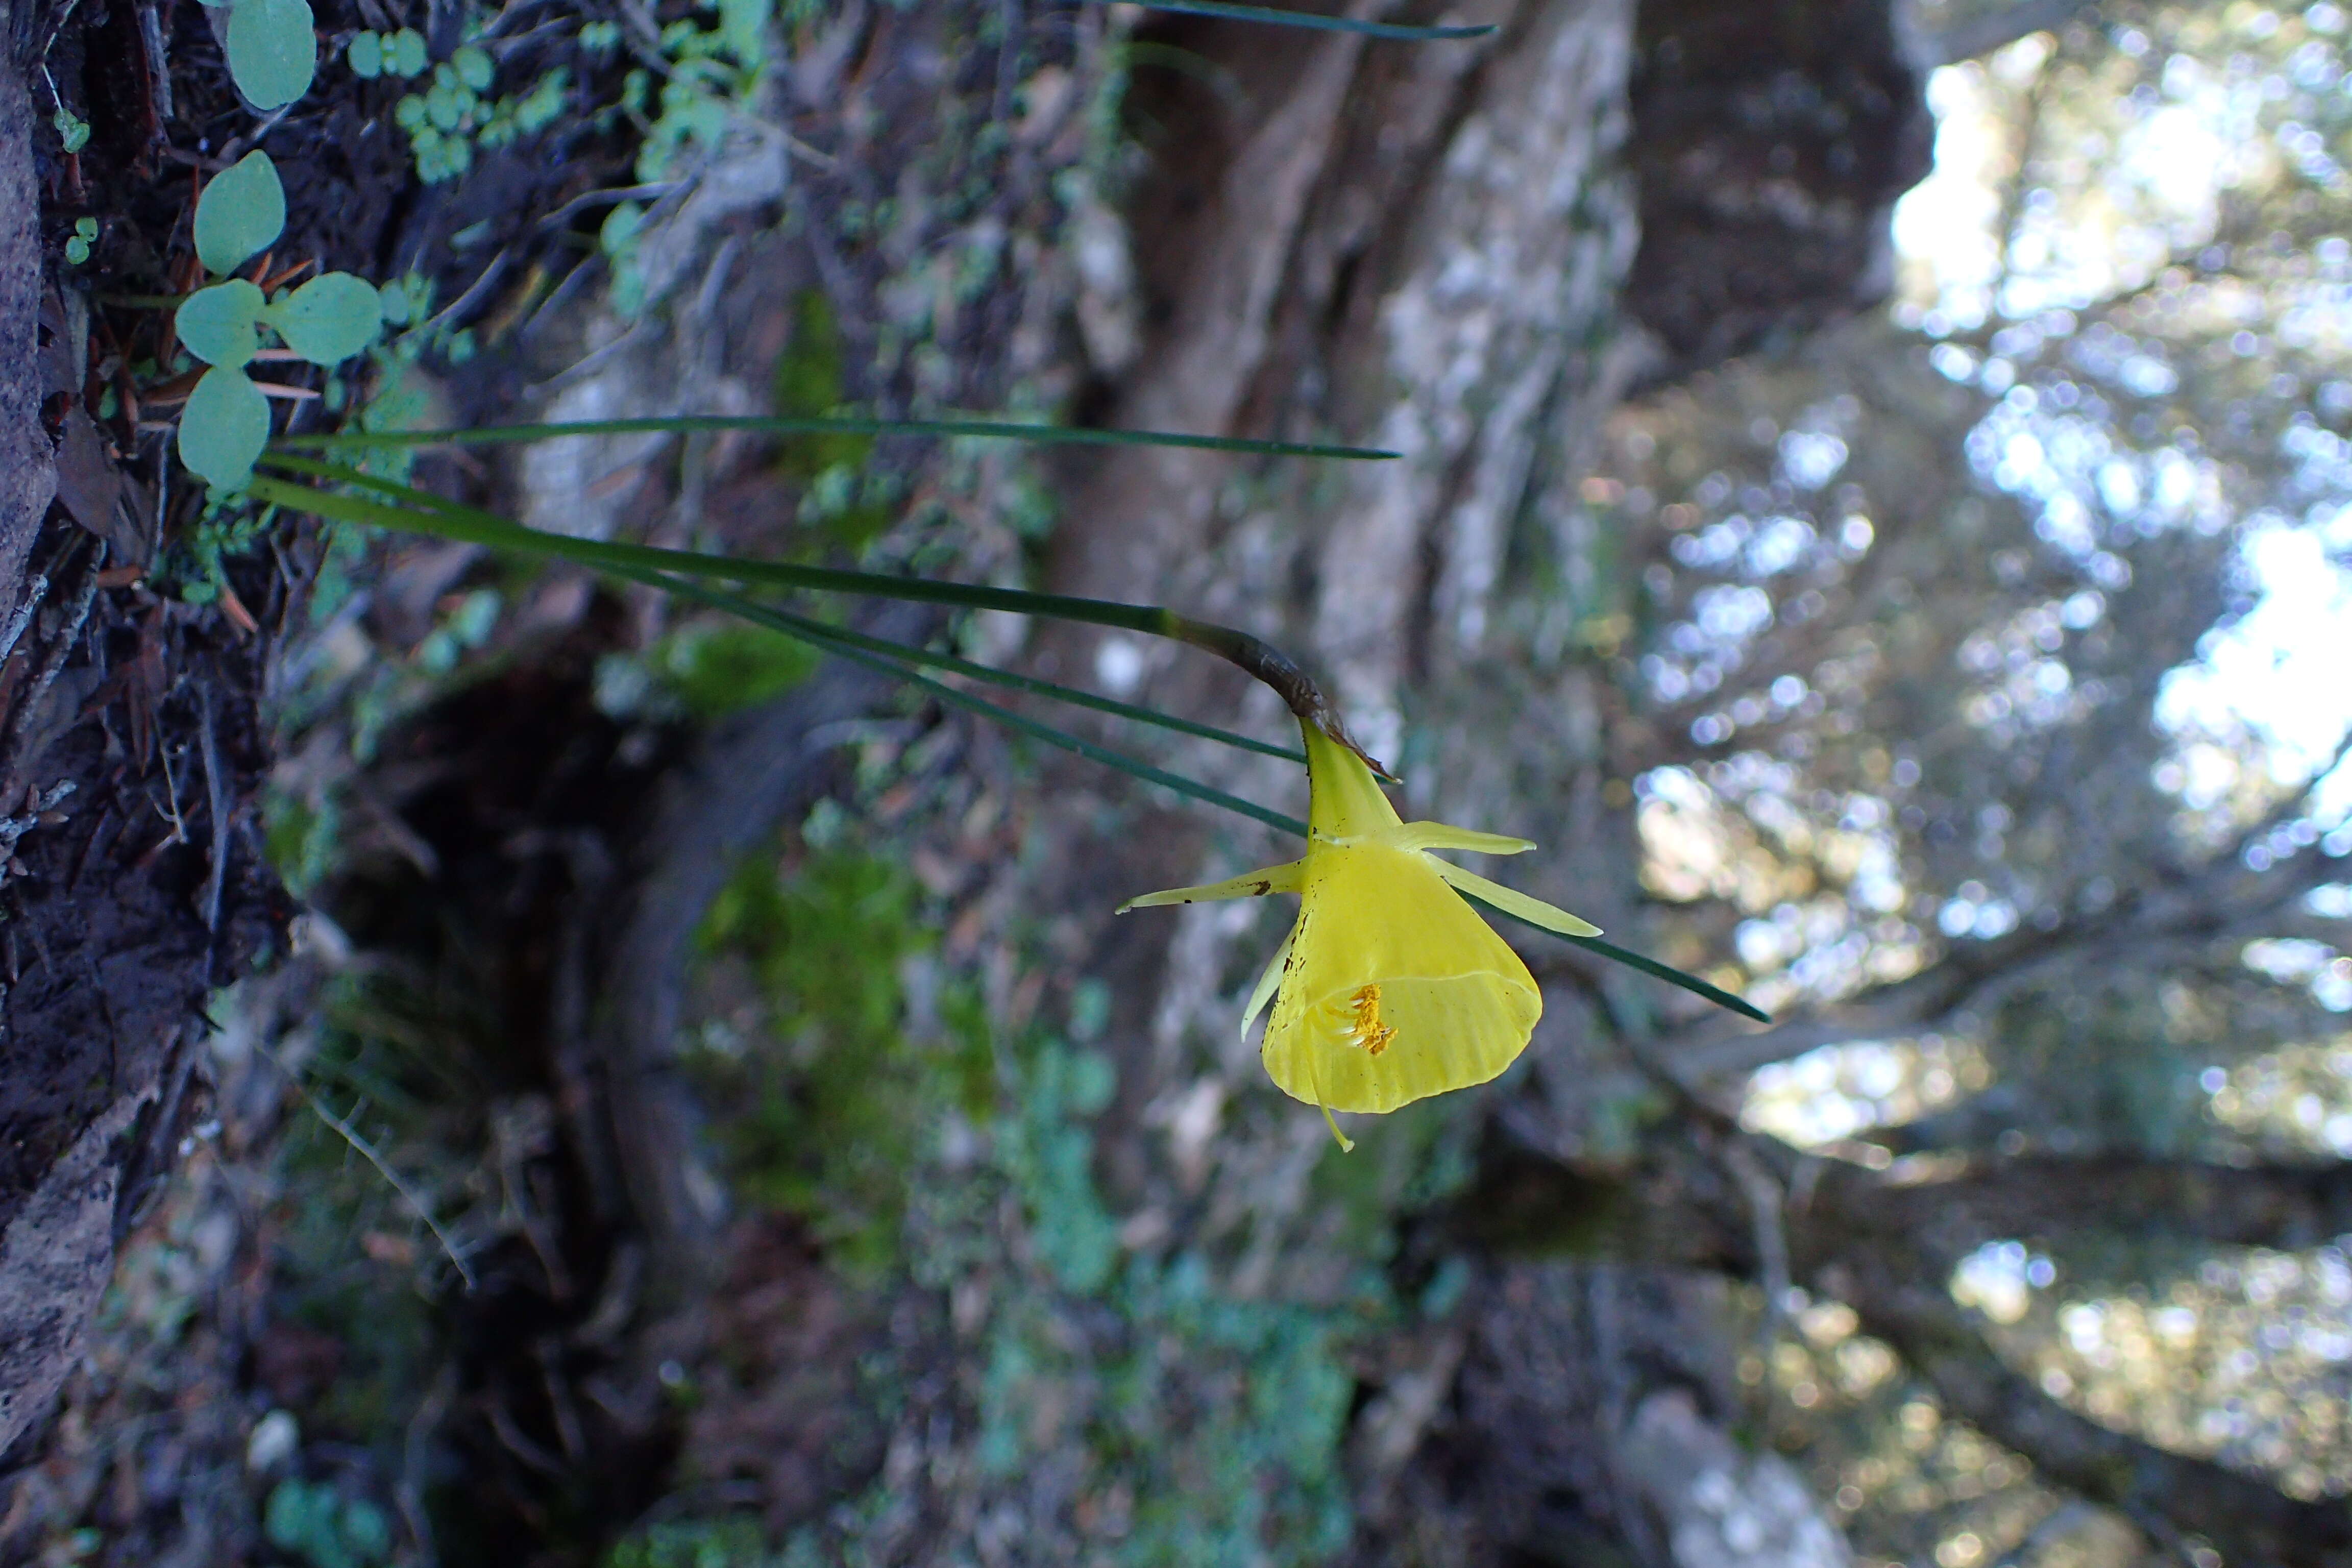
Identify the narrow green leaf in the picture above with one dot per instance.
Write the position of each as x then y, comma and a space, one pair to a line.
987, 429
1309, 19
240, 213
224, 428
216, 325
451, 523
273, 51
482, 525
489, 528
1036, 687
1650, 966
834, 642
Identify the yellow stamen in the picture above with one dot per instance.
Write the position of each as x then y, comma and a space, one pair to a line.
1367, 1030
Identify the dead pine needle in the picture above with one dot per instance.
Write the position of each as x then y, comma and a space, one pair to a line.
367, 1151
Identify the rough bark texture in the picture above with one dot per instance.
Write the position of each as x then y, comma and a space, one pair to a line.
129, 752
1774, 142
27, 471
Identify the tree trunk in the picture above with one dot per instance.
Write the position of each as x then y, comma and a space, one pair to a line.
130, 748
1431, 250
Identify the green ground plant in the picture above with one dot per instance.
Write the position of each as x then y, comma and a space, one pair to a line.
326, 321
273, 50
822, 1129
966, 1149
396, 54
324, 1529
455, 114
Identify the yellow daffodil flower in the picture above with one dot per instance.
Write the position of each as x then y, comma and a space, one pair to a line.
1389, 988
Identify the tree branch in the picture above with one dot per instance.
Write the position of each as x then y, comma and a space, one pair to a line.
2280, 1206
1680, 1206
1886, 1245
2248, 1519
2221, 901
1982, 34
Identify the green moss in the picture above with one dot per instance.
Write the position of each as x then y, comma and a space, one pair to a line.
1048, 1151
719, 667
303, 843
840, 494
1409, 1158
827, 1095
1251, 1473
703, 1543
322, 1529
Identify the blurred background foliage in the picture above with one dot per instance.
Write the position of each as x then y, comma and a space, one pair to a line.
2022, 602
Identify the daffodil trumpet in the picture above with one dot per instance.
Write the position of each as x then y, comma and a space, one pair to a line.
1389, 988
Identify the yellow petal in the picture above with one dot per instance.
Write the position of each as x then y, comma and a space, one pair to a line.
1510, 900
1343, 799
1268, 982
1285, 878
1444, 836
1396, 989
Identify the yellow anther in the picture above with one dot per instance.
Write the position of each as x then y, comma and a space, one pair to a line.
1367, 1029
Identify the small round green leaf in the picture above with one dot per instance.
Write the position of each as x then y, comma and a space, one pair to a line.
242, 211
329, 319
272, 51
365, 53
404, 52
216, 324
394, 301
620, 227
224, 428
474, 67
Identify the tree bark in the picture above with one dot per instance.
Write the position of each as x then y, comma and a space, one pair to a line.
1724, 1508
132, 885
28, 476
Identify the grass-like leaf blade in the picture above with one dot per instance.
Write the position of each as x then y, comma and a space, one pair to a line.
1309, 19
834, 642
1012, 681
413, 508
772, 424
1632, 960
1150, 619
